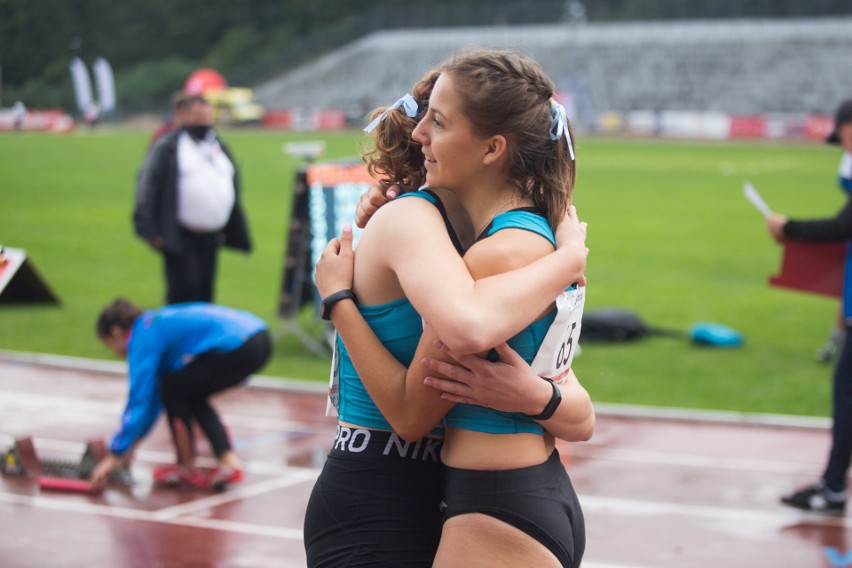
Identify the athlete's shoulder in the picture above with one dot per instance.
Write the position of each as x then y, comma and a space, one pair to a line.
406, 213
424, 194
526, 219
506, 249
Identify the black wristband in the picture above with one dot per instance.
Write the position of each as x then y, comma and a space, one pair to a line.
551, 407
329, 301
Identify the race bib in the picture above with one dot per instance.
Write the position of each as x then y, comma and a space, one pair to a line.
333, 401
553, 360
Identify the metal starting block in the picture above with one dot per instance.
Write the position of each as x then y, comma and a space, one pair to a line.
22, 459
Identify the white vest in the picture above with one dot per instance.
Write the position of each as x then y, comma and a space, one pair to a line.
205, 185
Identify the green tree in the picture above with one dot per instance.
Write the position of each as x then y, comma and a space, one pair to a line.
150, 41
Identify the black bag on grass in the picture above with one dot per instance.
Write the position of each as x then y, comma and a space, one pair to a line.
612, 324
618, 324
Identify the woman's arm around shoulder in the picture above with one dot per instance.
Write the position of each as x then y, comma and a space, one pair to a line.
473, 311
509, 385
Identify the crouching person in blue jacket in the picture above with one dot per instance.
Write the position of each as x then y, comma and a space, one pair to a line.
177, 357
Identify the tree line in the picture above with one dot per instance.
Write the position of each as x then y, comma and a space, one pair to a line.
153, 45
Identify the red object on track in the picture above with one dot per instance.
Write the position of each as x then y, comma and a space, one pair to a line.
62, 484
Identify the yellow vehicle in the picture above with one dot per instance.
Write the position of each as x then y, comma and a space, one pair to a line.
234, 105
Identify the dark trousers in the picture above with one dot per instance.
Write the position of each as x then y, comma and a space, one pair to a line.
841, 432
190, 274
185, 393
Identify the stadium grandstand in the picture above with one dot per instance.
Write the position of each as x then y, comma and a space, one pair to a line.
608, 72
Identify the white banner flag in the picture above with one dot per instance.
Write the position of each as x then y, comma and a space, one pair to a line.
105, 84
82, 84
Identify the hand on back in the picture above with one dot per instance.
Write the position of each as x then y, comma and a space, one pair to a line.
334, 271
370, 202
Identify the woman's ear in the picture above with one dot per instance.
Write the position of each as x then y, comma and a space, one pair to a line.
496, 149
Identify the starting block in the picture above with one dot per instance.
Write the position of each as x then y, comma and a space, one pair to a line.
22, 459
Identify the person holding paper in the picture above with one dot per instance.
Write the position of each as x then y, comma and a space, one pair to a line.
828, 494
756, 199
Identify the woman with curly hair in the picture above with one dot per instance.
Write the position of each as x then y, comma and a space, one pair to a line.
495, 142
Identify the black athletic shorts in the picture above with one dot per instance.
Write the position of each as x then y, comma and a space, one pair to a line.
538, 500
376, 503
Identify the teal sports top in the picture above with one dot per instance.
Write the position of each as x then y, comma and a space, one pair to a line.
526, 343
399, 327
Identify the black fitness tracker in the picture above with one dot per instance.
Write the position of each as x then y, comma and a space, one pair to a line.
329, 301
551, 407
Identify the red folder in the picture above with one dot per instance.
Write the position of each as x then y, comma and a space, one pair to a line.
812, 267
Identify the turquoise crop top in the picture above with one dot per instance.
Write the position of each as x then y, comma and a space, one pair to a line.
399, 327
526, 343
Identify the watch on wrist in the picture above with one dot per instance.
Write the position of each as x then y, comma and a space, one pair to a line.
552, 405
329, 301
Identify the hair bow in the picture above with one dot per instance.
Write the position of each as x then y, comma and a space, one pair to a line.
407, 102
559, 125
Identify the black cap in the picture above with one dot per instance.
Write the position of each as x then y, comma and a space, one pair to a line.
843, 115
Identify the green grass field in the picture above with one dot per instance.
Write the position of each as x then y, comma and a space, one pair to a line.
671, 238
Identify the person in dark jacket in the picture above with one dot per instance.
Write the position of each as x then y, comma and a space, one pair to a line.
828, 494
188, 202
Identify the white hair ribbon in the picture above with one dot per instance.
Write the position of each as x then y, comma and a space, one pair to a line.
559, 125
407, 102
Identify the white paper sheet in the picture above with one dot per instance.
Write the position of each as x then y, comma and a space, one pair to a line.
756, 200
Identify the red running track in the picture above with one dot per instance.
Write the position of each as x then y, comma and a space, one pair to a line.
658, 490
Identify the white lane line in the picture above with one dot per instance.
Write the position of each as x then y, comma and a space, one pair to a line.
233, 494
12, 402
67, 506
288, 384
776, 518
76, 449
580, 451
236, 527
152, 516
180, 514
20, 401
